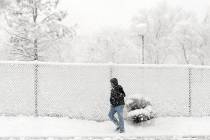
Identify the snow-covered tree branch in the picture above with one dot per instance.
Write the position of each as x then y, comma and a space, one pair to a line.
35, 27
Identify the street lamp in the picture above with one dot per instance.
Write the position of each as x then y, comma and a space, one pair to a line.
141, 28
142, 50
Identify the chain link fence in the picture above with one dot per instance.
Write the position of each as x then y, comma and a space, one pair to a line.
82, 90
16, 89
200, 91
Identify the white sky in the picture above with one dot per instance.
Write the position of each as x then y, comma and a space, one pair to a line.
93, 15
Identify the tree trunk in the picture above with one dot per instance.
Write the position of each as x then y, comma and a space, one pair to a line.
35, 14
185, 54
36, 57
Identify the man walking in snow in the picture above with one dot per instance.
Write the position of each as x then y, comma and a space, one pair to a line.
117, 105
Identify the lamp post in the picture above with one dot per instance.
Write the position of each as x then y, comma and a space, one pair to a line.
142, 47
141, 28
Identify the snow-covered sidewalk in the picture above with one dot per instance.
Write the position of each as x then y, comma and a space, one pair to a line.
65, 127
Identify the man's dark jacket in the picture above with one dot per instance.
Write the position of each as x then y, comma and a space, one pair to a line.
117, 95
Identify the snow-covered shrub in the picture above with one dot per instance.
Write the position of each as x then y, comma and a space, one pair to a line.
139, 109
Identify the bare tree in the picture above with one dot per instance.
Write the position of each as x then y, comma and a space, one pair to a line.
188, 37
113, 45
160, 22
204, 33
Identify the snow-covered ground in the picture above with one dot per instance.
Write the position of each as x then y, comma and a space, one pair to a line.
65, 127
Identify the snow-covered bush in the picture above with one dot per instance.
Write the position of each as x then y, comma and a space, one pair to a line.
139, 109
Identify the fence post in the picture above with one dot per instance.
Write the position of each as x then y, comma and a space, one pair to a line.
190, 90
36, 84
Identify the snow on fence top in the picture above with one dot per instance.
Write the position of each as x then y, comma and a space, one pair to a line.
82, 90
108, 64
